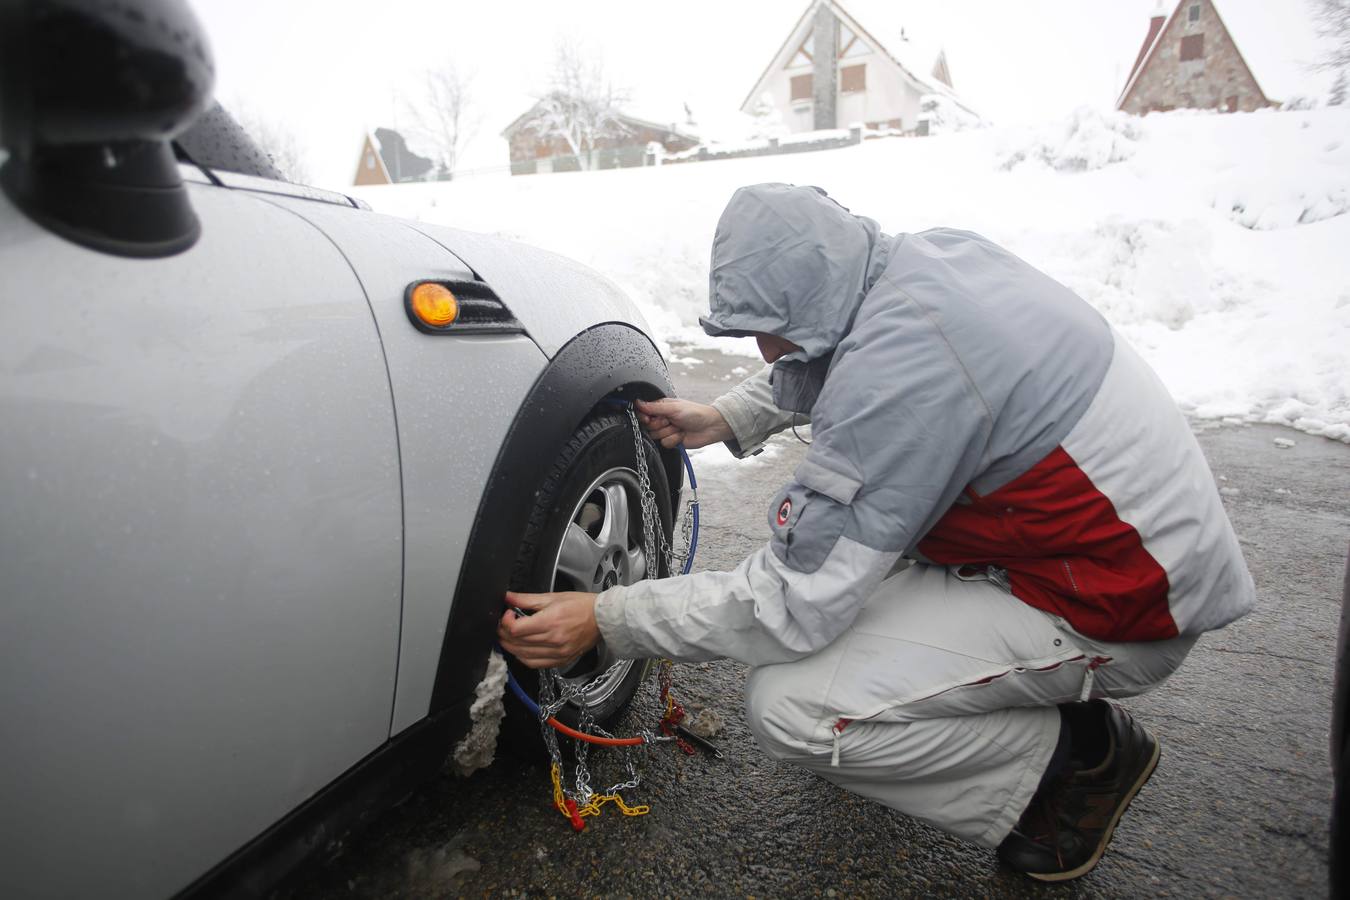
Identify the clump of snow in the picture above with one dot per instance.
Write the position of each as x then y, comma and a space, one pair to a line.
1283, 443
1241, 324
480, 744
438, 866
707, 723
1089, 139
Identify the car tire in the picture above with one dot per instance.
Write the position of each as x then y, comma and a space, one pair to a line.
585, 534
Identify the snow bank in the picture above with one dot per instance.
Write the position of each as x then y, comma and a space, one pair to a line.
1214, 243
1088, 139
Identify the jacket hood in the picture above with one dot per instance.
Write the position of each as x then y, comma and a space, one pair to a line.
792, 262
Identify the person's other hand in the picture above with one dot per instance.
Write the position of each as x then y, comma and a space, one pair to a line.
672, 421
561, 629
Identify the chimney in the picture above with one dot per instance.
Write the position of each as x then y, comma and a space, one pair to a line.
825, 71
1155, 25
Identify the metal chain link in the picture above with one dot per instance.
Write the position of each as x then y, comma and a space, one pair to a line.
653, 536
556, 692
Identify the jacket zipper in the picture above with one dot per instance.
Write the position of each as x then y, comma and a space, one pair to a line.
1090, 676
837, 731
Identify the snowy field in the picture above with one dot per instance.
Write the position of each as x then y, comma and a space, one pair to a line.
1218, 244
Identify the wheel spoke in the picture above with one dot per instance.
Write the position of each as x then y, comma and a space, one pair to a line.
580, 557
614, 528
637, 565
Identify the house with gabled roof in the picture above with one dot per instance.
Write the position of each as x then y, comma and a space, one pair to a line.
386, 159
836, 68
629, 141
1189, 60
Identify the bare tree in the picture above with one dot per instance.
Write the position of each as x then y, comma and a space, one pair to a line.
581, 105
1340, 89
442, 117
1333, 23
276, 140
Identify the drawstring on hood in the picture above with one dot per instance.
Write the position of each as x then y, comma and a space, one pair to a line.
792, 262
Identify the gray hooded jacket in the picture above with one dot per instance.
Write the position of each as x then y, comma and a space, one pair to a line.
965, 408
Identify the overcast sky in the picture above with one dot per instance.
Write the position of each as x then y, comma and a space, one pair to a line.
331, 69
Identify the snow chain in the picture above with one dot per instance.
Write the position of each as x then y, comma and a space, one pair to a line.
555, 692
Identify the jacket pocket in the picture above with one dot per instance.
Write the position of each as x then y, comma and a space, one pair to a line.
806, 525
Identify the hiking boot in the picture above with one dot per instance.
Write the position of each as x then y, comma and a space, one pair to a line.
1069, 822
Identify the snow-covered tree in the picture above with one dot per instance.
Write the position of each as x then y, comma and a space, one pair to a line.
766, 121
1333, 23
581, 104
274, 139
943, 114
1340, 89
442, 117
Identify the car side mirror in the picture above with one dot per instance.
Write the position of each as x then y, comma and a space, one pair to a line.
91, 96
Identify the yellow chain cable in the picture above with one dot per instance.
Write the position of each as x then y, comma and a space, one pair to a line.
593, 806
598, 800
559, 798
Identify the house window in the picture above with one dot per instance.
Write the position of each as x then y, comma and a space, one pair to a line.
849, 43
1193, 47
803, 55
370, 160
1193, 14
801, 87
852, 79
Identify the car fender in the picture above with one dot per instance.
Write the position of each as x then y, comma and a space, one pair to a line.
604, 361
554, 297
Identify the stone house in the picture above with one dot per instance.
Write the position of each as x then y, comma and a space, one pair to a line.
386, 159
836, 69
1189, 60
634, 144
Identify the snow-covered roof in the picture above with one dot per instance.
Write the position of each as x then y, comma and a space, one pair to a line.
673, 126
889, 27
894, 27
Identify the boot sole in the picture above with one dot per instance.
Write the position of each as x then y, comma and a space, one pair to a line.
1088, 866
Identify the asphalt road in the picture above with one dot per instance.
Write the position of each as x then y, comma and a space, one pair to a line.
1238, 806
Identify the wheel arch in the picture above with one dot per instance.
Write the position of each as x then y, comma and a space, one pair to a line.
608, 360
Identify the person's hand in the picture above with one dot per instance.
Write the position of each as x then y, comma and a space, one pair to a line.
561, 629
672, 421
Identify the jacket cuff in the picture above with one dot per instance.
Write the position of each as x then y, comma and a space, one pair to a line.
612, 620
740, 417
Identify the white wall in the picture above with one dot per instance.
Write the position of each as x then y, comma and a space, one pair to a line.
889, 94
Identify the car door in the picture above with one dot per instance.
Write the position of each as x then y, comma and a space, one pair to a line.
200, 545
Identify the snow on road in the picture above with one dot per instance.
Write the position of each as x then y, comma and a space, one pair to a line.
1218, 244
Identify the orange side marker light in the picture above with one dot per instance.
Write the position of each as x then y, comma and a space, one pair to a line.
434, 305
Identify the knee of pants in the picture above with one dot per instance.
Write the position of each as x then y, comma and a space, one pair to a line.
777, 720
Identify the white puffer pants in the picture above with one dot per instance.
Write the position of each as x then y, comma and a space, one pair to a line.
939, 701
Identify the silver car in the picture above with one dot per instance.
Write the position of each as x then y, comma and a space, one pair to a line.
268, 462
